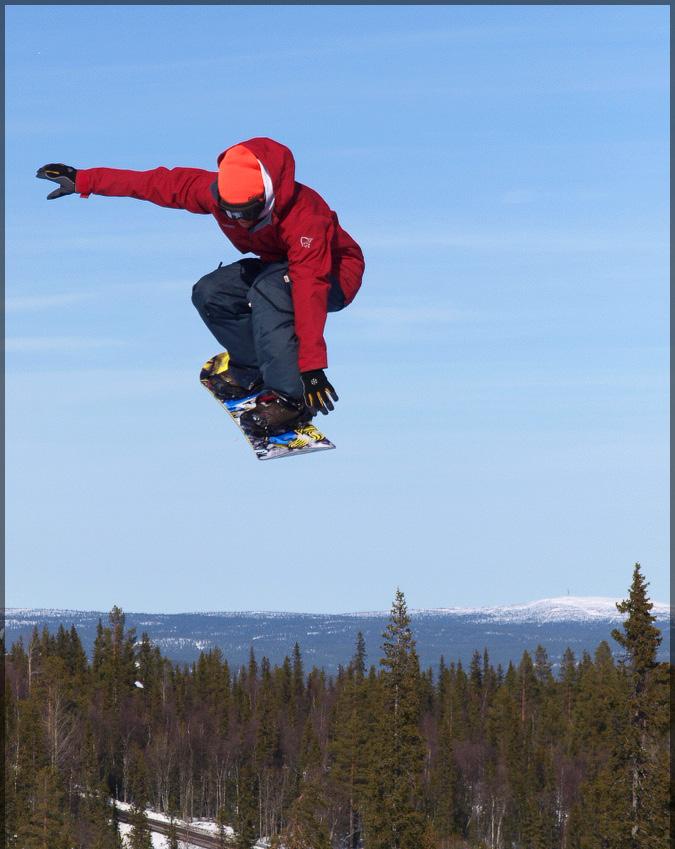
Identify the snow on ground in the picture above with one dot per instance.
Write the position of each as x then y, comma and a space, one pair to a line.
160, 841
207, 826
561, 609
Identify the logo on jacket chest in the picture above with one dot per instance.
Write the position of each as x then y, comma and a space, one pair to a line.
306, 241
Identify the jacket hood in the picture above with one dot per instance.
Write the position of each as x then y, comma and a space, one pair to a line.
277, 160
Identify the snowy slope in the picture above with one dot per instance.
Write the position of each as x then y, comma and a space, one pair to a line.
561, 609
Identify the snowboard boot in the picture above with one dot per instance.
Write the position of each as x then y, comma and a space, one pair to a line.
234, 383
274, 414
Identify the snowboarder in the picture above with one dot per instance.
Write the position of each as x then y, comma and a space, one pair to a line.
269, 313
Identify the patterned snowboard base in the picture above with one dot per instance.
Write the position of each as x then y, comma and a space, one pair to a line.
304, 440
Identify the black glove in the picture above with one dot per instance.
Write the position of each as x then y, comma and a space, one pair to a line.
64, 175
318, 391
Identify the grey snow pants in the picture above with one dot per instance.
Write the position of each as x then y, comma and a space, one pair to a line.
248, 307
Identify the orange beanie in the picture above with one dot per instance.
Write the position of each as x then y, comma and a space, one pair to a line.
239, 177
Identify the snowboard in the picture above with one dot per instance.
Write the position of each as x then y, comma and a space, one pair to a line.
305, 439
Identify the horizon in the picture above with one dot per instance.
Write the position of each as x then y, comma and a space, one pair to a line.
657, 605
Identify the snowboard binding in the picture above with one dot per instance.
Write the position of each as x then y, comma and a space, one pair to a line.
273, 425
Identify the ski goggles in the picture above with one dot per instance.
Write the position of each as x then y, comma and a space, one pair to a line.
251, 210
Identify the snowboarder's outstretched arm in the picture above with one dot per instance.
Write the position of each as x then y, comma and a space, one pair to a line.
178, 188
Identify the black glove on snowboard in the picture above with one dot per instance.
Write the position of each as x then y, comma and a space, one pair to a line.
318, 391
64, 175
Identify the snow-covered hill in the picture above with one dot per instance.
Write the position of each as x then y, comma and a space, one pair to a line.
561, 609
327, 640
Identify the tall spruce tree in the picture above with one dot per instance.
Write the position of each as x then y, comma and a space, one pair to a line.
350, 741
359, 659
648, 717
395, 818
247, 809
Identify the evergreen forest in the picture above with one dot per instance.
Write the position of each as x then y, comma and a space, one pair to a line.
382, 755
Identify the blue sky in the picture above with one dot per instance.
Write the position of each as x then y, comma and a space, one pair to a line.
503, 425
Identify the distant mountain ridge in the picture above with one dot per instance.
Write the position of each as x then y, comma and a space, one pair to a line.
571, 608
560, 609
327, 640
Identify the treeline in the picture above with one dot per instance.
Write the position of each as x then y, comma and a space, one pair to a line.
385, 756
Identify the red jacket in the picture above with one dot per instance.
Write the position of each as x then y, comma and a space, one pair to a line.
302, 229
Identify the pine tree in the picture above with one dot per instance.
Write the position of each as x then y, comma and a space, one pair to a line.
140, 836
252, 678
359, 659
309, 761
350, 741
58, 708
648, 716
247, 809
48, 824
395, 819
296, 707
306, 828
599, 810
97, 810
113, 675
444, 782
568, 680
29, 757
